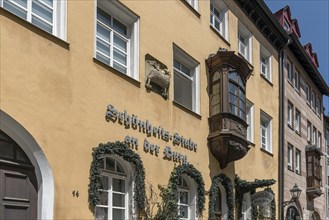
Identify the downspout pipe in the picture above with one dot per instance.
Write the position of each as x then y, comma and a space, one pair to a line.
281, 129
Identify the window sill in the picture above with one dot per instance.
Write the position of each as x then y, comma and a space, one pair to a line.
298, 173
195, 12
118, 73
220, 36
187, 110
251, 143
290, 169
35, 29
267, 80
298, 133
267, 152
290, 83
291, 127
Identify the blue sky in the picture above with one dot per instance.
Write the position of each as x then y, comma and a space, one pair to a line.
313, 21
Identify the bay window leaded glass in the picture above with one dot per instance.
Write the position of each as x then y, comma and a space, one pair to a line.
237, 95
215, 94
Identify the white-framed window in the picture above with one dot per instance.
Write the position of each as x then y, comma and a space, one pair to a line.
297, 121
298, 161
245, 42
250, 121
290, 113
266, 63
313, 100
309, 132
116, 40
219, 17
297, 81
49, 15
290, 156
307, 92
193, 3
318, 107
266, 132
289, 71
319, 140
187, 198
115, 191
186, 80
314, 139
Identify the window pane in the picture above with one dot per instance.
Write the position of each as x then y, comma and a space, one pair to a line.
118, 214
183, 197
234, 109
119, 168
233, 89
118, 185
185, 70
103, 47
119, 67
218, 206
42, 11
41, 24
183, 211
119, 43
120, 57
48, 2
102, 58
16, 10
110, 164
100, 213
103, 196
233, 99
103, 33
104, 183
118, 200
182, 90
103, 17
118, 26
6, 150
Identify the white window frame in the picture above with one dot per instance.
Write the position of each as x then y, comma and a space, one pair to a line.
264, 54
58, 16
309, 132
290, 156
194, 67
221, 7
191, 189
313, 104
314, 137
194, 4
244, 33
267, 128
124, 15
297, 160
297, 121
307, 92
127, 176
319, 142
250, 121
297, 81
318, 112
289, 71
290, 114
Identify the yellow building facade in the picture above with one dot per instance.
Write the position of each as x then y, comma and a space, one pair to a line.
65, 92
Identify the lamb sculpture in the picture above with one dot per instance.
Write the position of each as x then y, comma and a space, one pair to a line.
158, 76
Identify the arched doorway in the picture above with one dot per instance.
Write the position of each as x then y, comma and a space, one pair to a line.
18, 191
292, 213
42, 170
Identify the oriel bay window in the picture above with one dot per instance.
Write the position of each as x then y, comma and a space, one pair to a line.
228, 74
314, 171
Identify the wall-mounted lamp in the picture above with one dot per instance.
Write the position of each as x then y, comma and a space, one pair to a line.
294, 194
